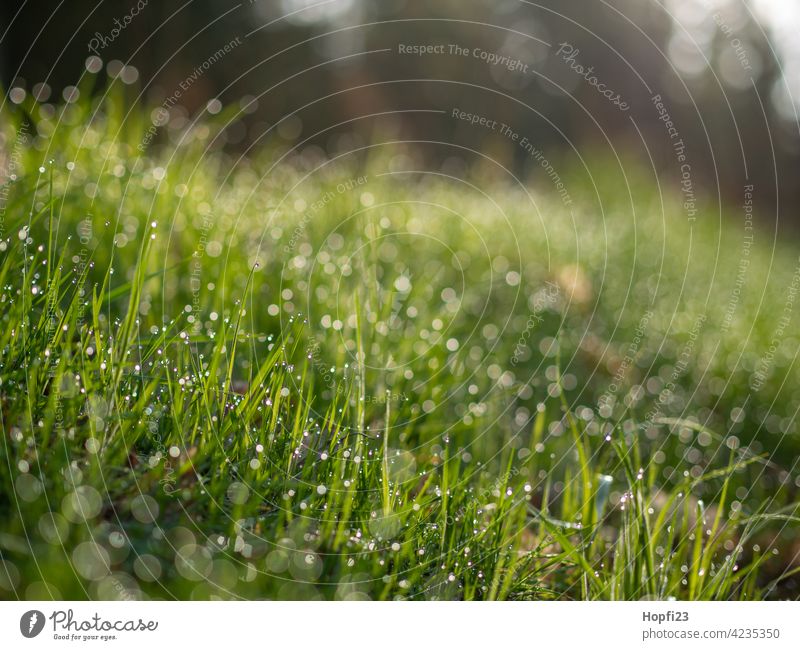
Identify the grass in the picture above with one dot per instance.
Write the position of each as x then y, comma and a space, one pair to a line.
293, 376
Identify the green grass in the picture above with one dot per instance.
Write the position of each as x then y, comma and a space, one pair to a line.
233, 378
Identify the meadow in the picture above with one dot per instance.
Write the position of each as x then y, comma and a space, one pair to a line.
346, 375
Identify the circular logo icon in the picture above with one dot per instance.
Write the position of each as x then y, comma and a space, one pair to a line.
31, 623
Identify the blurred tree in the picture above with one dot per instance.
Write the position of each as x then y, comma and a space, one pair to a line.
331, 64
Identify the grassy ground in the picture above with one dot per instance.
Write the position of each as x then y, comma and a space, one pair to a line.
292, 376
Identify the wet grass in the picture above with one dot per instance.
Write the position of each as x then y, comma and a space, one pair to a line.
299, 376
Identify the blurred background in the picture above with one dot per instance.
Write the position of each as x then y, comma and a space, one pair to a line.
330, 73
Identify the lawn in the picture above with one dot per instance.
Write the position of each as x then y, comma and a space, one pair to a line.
357, 376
